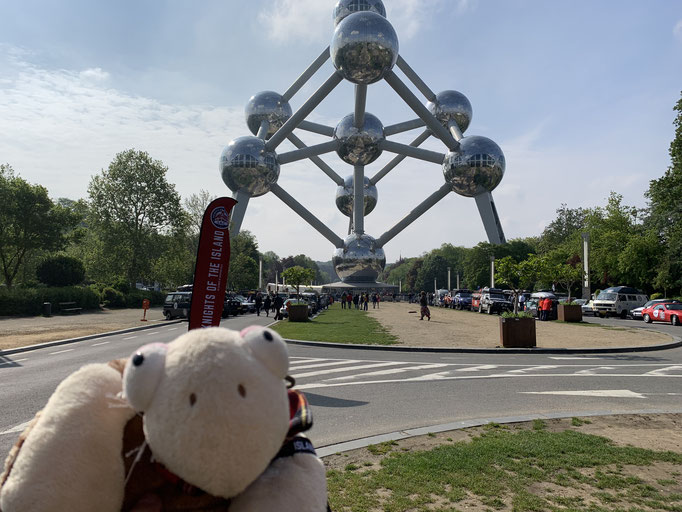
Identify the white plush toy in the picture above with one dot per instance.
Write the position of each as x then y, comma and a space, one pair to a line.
217, 430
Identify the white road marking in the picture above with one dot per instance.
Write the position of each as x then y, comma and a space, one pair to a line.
602, 393
663, 372
153, 332
591, 371
100, 343
14, 361
578, 358
62, 351
391, 371
16, 428
305, 366
533, 368
348, 369
130, 337
478, 368
173, 329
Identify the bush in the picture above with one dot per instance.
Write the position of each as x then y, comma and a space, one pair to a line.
121, 284
112, 298
17, 302
61, 271
655, 296
520, 314
134, 298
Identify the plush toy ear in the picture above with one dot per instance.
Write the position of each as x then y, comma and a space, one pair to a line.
142, 375
269, 348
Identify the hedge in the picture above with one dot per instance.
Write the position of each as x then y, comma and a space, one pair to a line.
29, 301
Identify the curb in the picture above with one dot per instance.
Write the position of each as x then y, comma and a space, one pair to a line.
325, 451
47, 344
588, 350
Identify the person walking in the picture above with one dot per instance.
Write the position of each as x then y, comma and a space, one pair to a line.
343, 301
267, 303
365, 301
259, 303
424, 303
374, 301
277, 304
356, 301
378, 300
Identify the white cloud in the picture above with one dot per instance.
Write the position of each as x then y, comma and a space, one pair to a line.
307, 20
311, 20
677, 31
94, 74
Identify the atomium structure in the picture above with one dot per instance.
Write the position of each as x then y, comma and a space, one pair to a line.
363, 50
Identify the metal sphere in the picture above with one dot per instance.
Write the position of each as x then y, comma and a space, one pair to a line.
475, 168
345, 194
364, 47
344, 8
451, 106
359, 260
267, 106
359, 147
246, 166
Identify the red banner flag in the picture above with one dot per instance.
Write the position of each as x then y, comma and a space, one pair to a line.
213, 260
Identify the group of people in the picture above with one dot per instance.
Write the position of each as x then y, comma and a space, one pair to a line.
544, 308
360, 300
270, 303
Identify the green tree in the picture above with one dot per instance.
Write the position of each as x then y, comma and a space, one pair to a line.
665, 212
29, 223
517, 275
244, 255
303, 261
434, 266
130, 203
195, 206
297, 275
61, 271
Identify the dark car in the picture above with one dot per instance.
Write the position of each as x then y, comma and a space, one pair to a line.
494, 300
461, 299
177, 305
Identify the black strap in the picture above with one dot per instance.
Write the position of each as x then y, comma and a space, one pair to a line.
297, 444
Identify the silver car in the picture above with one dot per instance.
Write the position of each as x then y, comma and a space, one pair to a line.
636, 313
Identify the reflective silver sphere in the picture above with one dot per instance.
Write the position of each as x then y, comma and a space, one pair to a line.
246, 166
359, 260
451, 105
267, 106
345, 7
345, 194
477, 167
359, 147
364, 47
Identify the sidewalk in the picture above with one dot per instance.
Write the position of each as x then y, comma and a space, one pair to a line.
24, 331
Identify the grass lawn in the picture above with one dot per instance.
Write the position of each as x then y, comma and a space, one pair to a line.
336, 325
509, 468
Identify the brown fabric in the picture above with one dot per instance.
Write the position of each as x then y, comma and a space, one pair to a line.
146, 479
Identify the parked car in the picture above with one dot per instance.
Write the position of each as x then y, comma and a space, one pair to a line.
176, 305
231, 307
618, 301
462, 299
494, 300
664, 312
248, 306
285, 312
475, 300
637, 314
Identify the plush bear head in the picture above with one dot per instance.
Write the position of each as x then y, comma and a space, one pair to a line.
214, 404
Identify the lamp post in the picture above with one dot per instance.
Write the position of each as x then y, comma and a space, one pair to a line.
449, 279
492, 271
586, 266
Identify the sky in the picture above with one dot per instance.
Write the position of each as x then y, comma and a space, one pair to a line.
579, 95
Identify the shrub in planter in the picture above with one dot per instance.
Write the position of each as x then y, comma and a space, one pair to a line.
517, 331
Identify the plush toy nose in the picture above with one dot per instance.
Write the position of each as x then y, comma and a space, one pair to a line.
142, 375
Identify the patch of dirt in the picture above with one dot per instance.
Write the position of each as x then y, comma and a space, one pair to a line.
466, 329
24, 331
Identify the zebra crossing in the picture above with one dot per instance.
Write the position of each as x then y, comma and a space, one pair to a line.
311, 372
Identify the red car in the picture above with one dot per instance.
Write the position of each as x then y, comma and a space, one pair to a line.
665, 312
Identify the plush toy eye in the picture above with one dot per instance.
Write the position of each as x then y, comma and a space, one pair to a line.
142, 375
269, 348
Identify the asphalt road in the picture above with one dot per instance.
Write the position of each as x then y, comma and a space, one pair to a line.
359, 393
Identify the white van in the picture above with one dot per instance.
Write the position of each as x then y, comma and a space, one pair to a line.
618, 301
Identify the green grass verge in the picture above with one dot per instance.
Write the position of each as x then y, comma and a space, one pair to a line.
526, 470
336, 325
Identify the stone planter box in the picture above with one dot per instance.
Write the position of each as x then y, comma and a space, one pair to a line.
570, 313
298, 312
517, 332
